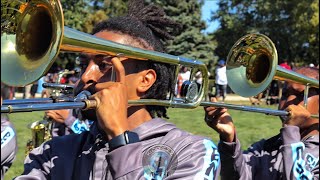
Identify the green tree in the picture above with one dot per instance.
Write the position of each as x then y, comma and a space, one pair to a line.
102, 10
292, 25
75, 13
191, 43
84, 14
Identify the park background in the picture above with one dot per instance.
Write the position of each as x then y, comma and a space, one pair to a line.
292, 25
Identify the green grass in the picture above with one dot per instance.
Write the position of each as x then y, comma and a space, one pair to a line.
251, 127
21, 121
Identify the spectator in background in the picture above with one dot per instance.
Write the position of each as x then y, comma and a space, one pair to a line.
183, 75
211, 71
221, 80
285, 64
34, 89
198, 78
26, 93
43, 91
63, 80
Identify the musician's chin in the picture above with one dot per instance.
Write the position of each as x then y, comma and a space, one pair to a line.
89, 114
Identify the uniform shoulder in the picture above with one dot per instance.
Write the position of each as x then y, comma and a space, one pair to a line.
182, 139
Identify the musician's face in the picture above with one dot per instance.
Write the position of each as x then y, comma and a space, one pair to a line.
294, 94
98, 68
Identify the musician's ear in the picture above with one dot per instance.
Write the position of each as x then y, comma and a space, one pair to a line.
146, 80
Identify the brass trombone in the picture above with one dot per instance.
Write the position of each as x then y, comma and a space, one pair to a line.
251, 63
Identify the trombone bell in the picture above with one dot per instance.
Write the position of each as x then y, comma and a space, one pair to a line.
28, 52
251, 64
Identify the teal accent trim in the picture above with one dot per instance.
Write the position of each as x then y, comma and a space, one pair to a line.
79, 126
6, 136
299, 165
211, 161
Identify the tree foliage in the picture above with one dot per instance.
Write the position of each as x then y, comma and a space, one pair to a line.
191, 43
82, 15
292, 25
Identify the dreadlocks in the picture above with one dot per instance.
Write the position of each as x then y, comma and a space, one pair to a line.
148, 28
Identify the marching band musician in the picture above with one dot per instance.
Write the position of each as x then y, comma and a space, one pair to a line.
9, 145
127, 142
292, 154
70, 121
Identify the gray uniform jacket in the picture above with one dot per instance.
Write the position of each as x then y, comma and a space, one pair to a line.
284, 156
8, 144
164, 152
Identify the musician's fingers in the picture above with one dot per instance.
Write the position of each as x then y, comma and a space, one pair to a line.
210, 108
217, 112
120, 71
51, 115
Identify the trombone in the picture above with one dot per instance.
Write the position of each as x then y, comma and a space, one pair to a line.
251, 63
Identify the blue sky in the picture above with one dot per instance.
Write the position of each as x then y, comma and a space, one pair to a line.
207, 8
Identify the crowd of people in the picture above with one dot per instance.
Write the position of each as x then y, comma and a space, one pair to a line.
124, 141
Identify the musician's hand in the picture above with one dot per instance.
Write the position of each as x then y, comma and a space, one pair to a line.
220, 120
112, 103
58, 115
299, 116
